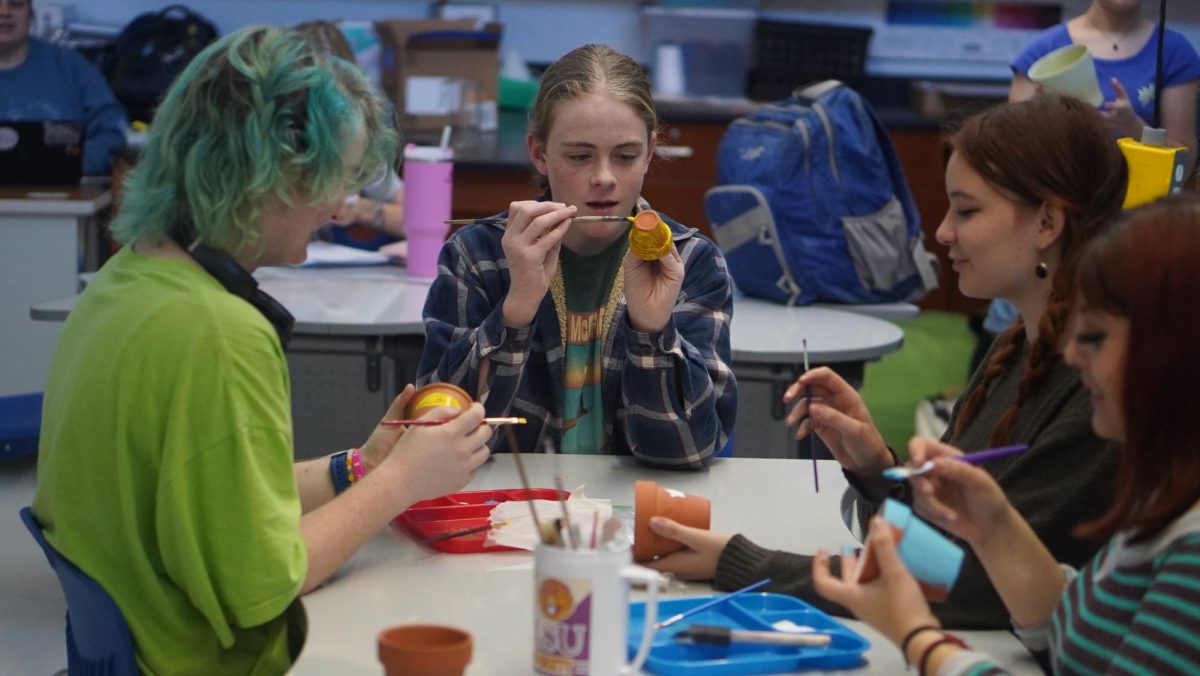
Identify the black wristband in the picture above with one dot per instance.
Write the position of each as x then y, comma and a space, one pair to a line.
911, 635
946, 639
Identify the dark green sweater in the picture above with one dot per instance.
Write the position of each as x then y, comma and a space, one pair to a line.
1064, 479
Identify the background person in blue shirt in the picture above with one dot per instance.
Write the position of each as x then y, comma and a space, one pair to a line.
43, 81
1123, 45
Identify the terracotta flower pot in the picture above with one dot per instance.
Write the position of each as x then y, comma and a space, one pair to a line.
434, 395
653, 500
424, 650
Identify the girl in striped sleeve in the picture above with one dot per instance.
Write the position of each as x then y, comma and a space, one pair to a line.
1135, 608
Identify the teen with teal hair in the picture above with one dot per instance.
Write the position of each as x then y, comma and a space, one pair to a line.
166, 468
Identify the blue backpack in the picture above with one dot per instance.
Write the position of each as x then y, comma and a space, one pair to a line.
812, 205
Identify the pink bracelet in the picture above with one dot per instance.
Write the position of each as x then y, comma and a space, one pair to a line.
356, 459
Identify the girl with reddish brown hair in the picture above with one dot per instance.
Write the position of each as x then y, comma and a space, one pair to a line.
1135, 608
1028, 183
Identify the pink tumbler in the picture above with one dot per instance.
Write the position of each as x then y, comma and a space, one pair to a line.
428, 181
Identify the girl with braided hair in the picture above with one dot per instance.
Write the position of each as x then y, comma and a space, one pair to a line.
1029, 183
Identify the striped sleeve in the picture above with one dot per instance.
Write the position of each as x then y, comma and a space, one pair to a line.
1164, 636
1142, 619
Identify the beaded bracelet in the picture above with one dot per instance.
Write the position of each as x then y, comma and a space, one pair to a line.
349, 467
913, 634
357, 470
338, 472
950, 639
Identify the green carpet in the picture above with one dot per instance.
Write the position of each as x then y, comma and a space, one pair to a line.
937, 347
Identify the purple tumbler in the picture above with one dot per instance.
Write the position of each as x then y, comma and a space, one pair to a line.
428, 184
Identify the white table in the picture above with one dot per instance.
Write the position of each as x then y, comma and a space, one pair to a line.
49, 235
393, 580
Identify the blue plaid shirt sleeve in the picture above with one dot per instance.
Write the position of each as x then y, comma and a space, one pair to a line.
678, 392
463, 296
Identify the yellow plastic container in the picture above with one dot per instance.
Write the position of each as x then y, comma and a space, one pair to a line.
650, 238
1155, 170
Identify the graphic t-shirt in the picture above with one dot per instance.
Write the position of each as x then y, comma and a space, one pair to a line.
588, 286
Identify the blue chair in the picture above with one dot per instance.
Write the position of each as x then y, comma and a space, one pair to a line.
20, 421
727, 452
98, 638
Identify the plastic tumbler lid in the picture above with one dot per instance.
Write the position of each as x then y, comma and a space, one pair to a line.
428, 153
1153, 136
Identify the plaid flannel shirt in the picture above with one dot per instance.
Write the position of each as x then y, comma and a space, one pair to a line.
669, 398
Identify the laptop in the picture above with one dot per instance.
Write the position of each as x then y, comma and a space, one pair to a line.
41, 152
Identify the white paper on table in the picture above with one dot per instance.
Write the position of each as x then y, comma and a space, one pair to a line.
328, 254
518, 529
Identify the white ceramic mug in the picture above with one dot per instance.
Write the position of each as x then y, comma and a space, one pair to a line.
581, 610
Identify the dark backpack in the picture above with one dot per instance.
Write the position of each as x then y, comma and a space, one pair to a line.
150, 53
812, 205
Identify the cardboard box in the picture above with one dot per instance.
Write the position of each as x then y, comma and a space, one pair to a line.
440, 72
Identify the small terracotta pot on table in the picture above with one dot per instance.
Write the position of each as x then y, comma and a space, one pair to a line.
424, 650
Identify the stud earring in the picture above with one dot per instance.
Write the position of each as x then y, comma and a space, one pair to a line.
1041, 270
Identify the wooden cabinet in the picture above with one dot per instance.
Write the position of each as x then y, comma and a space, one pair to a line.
481, 191
676, 185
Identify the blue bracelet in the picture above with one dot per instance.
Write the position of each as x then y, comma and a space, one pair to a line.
337, 472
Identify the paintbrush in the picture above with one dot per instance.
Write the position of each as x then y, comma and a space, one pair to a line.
442, 421
710, 604
808, 396
516, 453
908, 472
504, 221
707, 634
450, 535
572, 534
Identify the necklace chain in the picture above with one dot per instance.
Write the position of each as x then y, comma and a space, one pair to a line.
1116, 45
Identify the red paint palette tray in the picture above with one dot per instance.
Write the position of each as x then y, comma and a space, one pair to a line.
459, 511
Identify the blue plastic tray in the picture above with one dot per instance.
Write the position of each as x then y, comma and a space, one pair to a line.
749, 611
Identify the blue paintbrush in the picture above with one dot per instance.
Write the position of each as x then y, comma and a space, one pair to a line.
709, 604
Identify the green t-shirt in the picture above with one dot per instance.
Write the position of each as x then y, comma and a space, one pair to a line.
165, 466
587, 285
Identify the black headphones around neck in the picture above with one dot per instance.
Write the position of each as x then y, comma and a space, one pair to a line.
237, 281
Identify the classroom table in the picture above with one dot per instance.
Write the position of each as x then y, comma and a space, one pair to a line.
50, 235
359, 335
394, 580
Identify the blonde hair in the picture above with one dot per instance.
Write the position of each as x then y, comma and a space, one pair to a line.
327, 37
584, 71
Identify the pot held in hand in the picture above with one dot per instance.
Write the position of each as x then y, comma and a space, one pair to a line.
654, 500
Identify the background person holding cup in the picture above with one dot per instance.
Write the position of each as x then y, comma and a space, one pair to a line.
1122, 45
557, 321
